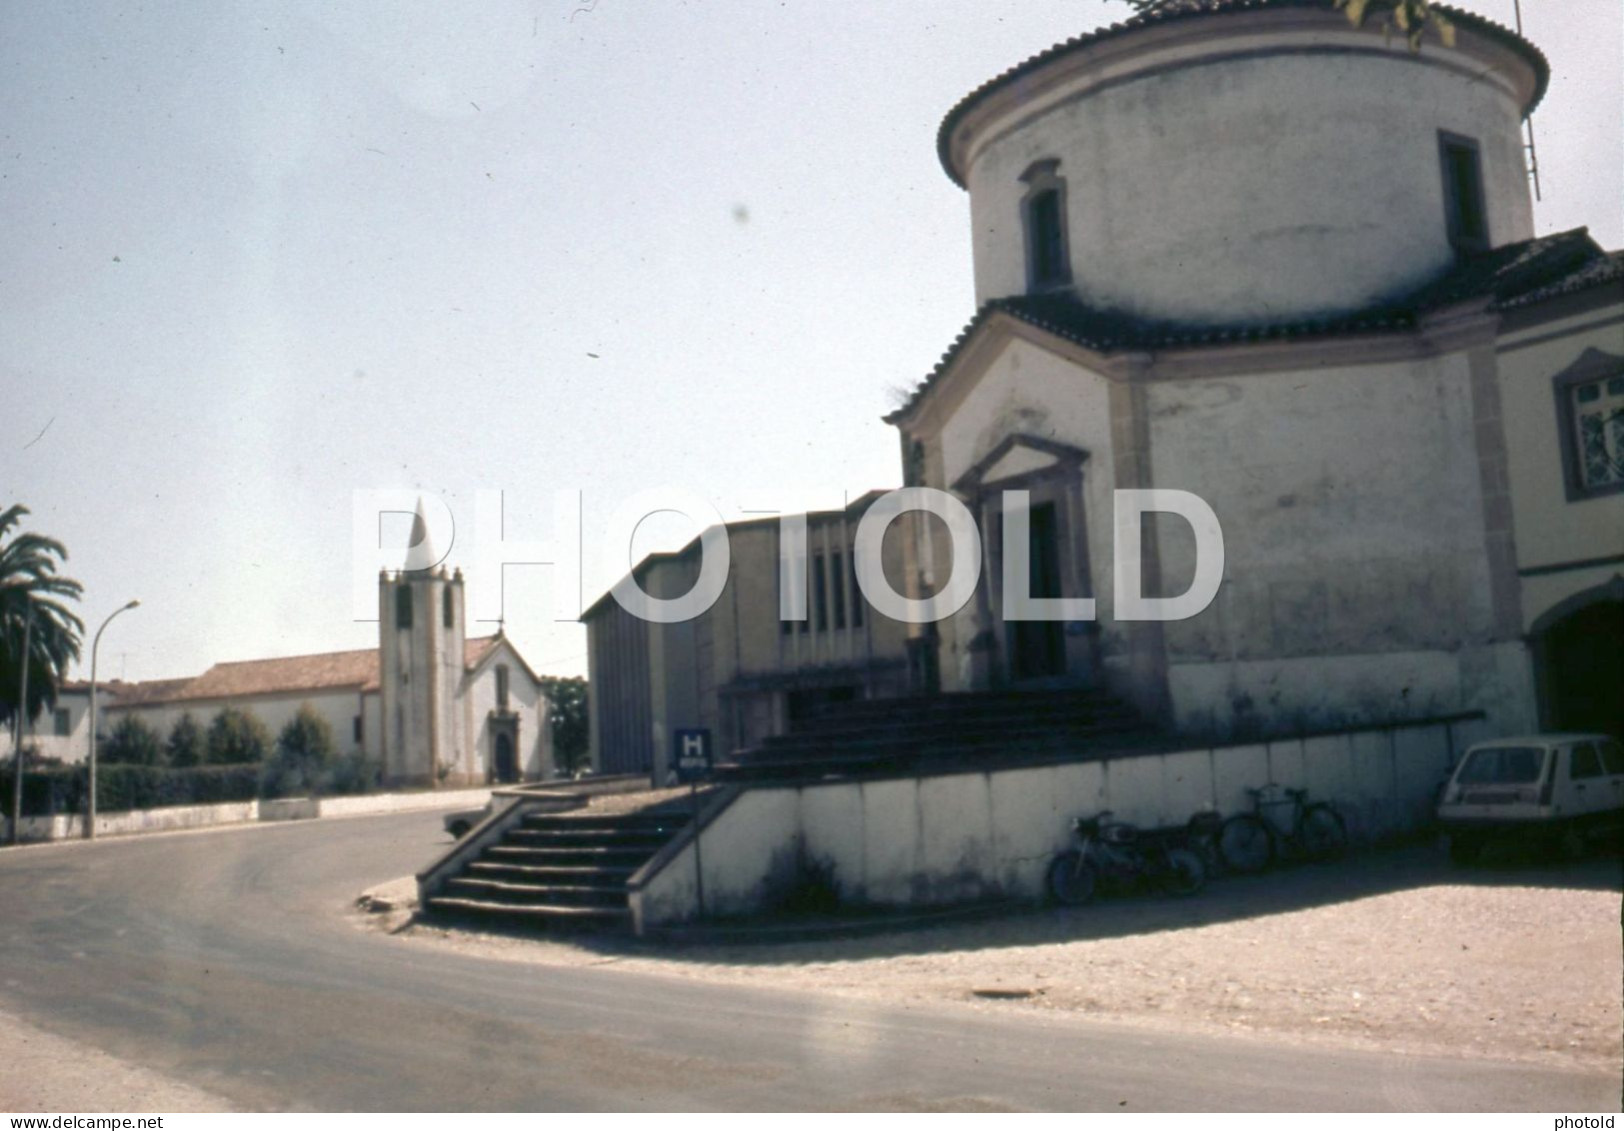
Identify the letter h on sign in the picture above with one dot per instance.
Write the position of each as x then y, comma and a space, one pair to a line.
693, 760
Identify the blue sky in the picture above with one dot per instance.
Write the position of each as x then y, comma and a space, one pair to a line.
257, 257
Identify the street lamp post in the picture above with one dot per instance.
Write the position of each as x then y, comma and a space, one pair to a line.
90, 813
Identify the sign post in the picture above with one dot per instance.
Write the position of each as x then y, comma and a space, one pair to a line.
693, 763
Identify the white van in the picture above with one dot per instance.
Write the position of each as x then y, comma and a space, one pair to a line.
1557, 790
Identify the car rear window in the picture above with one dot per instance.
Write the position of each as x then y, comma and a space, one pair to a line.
1502, 765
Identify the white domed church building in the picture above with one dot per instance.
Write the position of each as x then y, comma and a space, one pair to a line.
1245, 249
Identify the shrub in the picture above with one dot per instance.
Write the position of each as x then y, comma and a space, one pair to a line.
132, 743
305, 759
236, 737
187, 746
120, 787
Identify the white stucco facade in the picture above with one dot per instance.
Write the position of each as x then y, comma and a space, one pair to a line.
427, 706
1212, 168
1300, 282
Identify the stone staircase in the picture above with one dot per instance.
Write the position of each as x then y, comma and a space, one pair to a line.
558, 869
938, 732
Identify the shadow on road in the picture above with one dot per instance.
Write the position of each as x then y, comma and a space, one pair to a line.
793, 940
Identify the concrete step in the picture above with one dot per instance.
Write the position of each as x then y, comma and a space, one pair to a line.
585, 838
554, 874
948, 730
529, 895
943, 744
663, 822
566, 857
533, 913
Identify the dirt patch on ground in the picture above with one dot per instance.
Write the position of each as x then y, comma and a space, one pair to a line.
1392, 950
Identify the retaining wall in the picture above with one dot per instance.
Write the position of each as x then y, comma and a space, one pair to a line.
964, 837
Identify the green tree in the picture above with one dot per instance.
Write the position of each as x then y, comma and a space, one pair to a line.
567, 714
305, 755
187, 746
237, 736
32, 596
132, 743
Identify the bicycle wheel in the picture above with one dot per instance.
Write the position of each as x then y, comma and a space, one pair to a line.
1245, 844
1072, 879
1185, 873
1322, 833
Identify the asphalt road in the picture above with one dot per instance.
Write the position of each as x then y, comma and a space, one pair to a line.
225, 959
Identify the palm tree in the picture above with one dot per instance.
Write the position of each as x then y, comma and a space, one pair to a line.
31, 589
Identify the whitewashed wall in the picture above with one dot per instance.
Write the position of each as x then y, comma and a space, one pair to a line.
526, 699
1357, 586
338, 708
75, 745
1216, 189
1551, 530
957, 838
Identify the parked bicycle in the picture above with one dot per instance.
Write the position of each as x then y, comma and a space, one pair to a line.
1249, 842
1115, 853
1201, 835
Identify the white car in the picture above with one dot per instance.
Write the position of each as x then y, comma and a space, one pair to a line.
1558, 790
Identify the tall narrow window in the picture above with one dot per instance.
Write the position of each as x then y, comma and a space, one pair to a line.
1043, 219
448, 614
837, 582
820, 594
1464, 210
856, 594
501, 687
403, 606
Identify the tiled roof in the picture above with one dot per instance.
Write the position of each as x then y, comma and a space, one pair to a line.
1511, 276
355, 670
1171, 11
476, 649
148, 691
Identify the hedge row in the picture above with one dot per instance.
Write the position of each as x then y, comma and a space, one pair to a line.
61, 789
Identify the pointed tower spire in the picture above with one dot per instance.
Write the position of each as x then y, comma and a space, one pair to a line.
420, 553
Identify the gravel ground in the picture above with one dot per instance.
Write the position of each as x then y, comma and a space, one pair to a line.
1393, 949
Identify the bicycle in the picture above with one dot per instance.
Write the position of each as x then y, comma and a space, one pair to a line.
1249, 842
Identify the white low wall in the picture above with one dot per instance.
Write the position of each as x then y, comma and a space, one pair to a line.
71, 826
962, 837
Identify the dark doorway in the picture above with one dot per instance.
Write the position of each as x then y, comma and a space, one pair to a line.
1584, 670
506, 764
1037, 649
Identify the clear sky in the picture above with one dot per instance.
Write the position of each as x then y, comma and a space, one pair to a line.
255, 257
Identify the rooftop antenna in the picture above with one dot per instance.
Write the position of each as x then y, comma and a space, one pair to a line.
1528, 122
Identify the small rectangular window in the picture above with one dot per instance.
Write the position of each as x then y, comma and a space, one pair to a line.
403, 606
62, 724
1464, 210
1598, 421
358, 728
